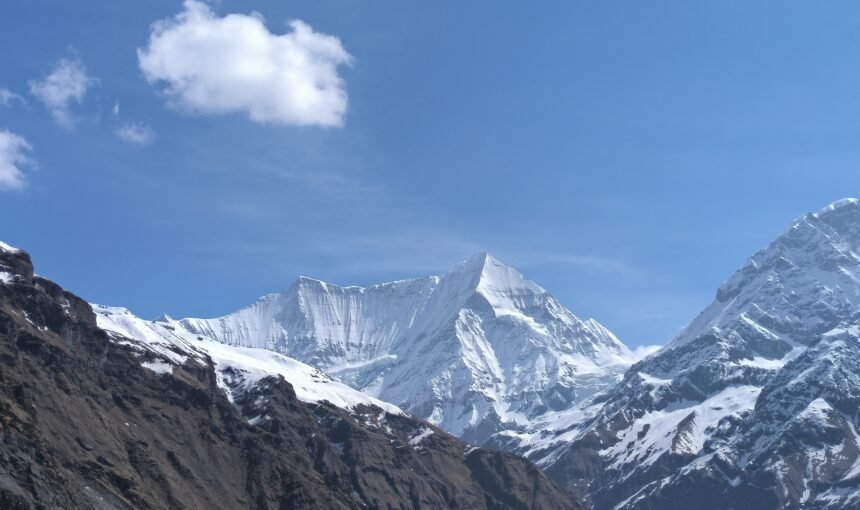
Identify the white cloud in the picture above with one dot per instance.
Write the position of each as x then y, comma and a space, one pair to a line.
233, 64
13, 156
67, 83
7, 97
136, 133
643, 351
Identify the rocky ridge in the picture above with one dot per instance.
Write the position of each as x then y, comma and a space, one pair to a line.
754, 405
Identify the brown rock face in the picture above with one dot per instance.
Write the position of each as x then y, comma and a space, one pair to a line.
83, 425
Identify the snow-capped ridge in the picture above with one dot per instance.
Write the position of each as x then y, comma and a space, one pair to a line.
845, 202
239, 368
307, 281
816, 260
8, 248
477, 349
754, 402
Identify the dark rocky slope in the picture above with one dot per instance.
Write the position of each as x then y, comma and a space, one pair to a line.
83, 425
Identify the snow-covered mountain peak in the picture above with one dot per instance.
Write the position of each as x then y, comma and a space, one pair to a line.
755, 400
485, 270
497, 277
797, 287
839, 204
476, 350
502, 286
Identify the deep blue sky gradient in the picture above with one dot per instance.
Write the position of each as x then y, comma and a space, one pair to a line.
627, 156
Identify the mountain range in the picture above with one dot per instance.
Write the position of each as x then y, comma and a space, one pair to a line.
754, 405
102, 410
475, 351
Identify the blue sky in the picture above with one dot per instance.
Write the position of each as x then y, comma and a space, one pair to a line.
627, 156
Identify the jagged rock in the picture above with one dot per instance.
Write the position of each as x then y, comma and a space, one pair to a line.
753, 406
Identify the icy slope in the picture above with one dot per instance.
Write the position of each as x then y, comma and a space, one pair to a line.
239, 368
756, 400
475, 351
798, 447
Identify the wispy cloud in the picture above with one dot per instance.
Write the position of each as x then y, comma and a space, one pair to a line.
594, 262
8, 98
14, 157
67, 83
531, 255
342, 223
136, 133
233, 64
336, 218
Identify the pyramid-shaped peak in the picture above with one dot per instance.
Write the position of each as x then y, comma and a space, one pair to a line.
484, 272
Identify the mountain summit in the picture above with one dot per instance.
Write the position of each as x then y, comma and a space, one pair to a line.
477, 350
754, 405
797, 288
